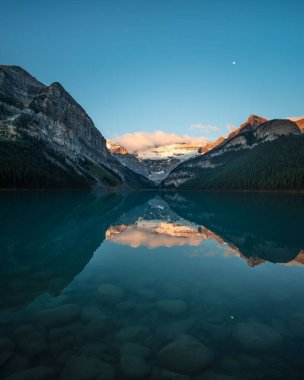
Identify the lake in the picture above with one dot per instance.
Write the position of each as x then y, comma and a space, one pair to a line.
148, 285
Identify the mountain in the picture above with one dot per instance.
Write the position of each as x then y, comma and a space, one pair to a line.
260, 155
48, 140
300, 123
115, 148
210, 145
181, 150
251, 123
156, 162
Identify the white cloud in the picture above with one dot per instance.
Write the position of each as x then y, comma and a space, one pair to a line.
231, 127
205, 128
141, 140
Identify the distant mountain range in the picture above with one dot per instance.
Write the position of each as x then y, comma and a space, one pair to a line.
156, 162
48, 140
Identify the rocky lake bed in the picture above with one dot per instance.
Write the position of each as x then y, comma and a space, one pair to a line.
142, 330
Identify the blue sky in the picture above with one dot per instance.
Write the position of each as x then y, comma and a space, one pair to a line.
163, 65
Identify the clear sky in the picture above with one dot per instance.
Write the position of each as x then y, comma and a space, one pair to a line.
163, 64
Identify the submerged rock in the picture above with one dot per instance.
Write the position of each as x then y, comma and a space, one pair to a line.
5, 318
296, 324
134, 367
146, 294
169, 375
172, 308
173, 292
211, 375
98, 328
4, 357
134, 349
248, 362
228, 364
90, 313
59, 315
16, 363
111, 293
185, 355
218, 332
95, 350
6, 344
169, 331
57, 334
256, 337
36, 373
125, 305
86, 368
133, 333
33, 344
30, 340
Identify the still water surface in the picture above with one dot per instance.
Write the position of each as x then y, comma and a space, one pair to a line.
151, 286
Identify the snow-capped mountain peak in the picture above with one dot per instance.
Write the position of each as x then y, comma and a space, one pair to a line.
155, 162
177, 150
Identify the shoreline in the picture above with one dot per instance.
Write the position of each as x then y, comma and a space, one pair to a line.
153, 190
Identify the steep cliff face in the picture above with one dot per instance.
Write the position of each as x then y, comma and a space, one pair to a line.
53, 134
67, 123
217, 168
17, 86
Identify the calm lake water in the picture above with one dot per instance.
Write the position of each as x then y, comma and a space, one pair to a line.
151, 286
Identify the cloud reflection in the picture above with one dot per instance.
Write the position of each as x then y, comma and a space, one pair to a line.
156, 233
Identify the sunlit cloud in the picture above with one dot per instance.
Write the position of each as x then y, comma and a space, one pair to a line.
205, 128
231, 127
136, 238
141, 140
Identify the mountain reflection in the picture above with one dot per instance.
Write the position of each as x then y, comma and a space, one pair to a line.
263, 226
155, 224
46, 239
155, 234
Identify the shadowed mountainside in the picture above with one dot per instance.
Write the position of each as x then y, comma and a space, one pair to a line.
48, 140
266, 156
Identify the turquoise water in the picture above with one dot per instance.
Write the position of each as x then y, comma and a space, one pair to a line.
151, 286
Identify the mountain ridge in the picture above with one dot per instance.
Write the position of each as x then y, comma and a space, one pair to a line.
48, 140
72, 151
204, 172
156, 162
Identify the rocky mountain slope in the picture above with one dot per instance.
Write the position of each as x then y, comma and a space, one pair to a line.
300, 124
48, 140
261, 154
